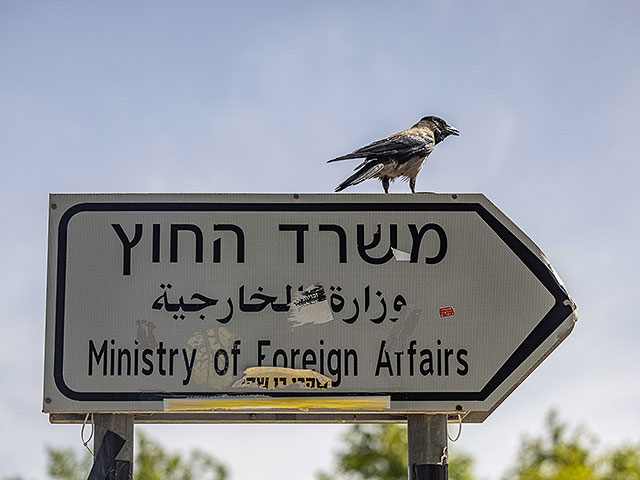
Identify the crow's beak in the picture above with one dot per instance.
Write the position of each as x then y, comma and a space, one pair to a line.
452, 130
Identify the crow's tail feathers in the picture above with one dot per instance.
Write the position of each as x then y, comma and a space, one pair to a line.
368, 170
348, 156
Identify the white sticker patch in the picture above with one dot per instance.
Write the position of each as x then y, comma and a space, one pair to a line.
310, 306
401, 256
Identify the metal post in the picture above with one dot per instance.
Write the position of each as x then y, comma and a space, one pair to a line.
427, 443
113, 447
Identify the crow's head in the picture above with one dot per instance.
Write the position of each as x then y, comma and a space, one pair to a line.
439, 127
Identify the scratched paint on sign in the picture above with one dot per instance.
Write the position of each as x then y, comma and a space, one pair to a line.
216, 359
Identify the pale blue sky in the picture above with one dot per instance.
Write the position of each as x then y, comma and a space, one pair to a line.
205, 97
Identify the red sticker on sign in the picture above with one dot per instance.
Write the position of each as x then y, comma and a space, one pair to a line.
447, 312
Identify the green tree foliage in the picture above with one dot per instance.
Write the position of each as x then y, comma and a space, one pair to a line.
379, 452
559, 454
623, 464
66, 464
152, 462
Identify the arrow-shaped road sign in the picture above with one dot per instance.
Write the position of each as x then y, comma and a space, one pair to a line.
355, 303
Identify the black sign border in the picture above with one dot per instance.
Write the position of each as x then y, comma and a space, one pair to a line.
561, 309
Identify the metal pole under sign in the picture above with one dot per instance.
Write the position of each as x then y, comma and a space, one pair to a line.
113, 447
427, 443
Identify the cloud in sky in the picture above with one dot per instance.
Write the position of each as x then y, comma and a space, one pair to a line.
255, 98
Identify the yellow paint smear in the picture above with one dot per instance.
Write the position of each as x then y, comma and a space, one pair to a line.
334, 403
278, 377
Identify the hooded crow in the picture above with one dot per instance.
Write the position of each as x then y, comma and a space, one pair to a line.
399, 155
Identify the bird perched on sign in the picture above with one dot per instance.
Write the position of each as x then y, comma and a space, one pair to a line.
399, 155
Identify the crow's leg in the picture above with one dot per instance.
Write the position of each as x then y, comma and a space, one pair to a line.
412, 185
385, 184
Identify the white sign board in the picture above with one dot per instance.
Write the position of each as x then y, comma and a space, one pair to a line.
430, 302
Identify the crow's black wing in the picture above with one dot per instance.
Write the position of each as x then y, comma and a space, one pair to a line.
399, 146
